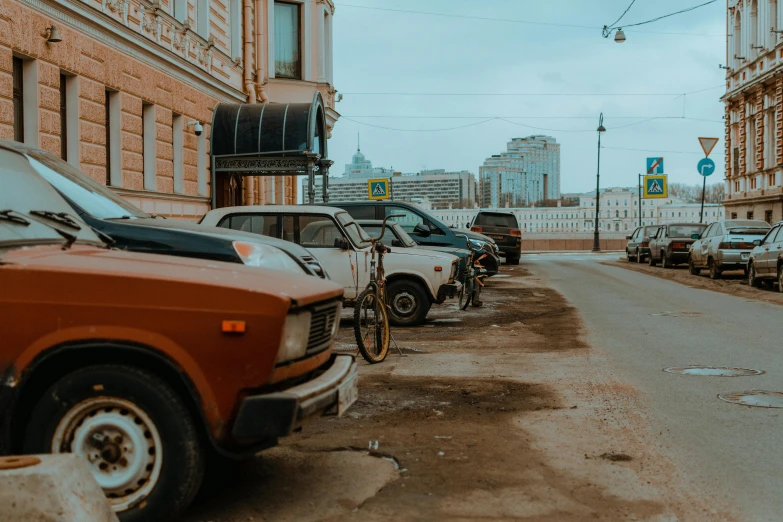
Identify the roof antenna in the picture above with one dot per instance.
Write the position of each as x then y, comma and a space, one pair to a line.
358, 141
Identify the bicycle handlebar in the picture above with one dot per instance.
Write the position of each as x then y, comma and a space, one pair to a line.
383, 227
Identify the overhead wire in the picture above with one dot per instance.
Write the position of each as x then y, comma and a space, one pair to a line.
564, 94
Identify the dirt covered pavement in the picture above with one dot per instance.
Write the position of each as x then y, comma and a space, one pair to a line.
732, 283
501, 412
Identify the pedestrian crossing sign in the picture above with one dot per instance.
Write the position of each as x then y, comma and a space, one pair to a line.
378, 189
655, 187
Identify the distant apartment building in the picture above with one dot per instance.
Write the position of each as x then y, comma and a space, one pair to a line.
442, 189
754, 110
526, 173
127, 90
620, 212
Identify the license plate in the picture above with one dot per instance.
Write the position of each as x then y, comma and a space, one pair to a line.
347, 394
745, 257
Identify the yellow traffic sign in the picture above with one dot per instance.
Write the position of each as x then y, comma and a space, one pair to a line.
707, 144
656, 187
378, 189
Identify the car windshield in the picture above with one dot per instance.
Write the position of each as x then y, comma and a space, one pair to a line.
357, 234
393, 232
94, 198
686, 230
496, 220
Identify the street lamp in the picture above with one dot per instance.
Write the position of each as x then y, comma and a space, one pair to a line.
596, 241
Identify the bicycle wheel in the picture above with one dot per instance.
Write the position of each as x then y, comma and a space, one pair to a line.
371, 327
466, 293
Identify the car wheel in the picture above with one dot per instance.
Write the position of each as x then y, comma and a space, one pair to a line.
692, 268
638, 256
780, 279
408, 303
753, 279
512, 260
628, 256
665, 261
715, 272
650, 260
134, 431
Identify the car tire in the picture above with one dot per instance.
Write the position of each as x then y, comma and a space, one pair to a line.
650, 260
692, 268
665, 261
512, 260
628, 256
780, 279
753, 280
408, 303
638, 257
715, 272
158, 473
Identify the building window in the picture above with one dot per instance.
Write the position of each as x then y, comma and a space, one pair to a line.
177, 129
113, 139
736, 186
63, 120
179, 9
107, 122
149, 145
750, 215
733, 215
202, 18
288, 59
768, 216
18, 100
753, 183
235, 14
771, 179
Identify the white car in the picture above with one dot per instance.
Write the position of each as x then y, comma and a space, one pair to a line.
415, 278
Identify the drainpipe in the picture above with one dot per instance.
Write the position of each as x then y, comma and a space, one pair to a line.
247, 16
261, 54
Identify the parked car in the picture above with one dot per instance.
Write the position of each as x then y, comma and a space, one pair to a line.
725, 245
671, 243
143, 364
638, 247
416, 279
132, 229
396, 237
425, 229
766, 259
502, 227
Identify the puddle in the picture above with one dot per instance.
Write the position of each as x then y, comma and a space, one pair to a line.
451, 320
760, 399
713, 371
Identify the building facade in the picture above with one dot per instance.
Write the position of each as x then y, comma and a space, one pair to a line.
361, 168
526, 173
620, 212
754, 110
118, 88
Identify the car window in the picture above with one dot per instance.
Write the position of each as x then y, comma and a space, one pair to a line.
778, 235
496, 220
288, 229
717, 230
318, 231
410, 220
685, 230
362, 212
255, 223
770, 237
650, 231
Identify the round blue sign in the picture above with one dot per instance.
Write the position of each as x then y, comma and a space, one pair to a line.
706, 167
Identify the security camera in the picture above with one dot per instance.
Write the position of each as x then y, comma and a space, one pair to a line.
197, 127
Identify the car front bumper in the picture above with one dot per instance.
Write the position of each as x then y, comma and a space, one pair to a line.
448, 291
272, 415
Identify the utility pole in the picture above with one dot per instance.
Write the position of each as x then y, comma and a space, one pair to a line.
640, 200
596, 238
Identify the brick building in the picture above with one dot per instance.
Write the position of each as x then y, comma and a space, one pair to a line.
754, 110
116, 87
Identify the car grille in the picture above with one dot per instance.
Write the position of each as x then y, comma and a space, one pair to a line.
323, 325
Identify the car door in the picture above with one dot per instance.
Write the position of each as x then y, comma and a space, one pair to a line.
317, 233
633, 243
776, 252
767, 255
704, 245
697, 253
655, 251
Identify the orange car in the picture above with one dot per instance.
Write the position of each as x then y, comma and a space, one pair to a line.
143, 363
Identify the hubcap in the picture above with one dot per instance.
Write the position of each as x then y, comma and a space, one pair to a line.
121, 444
404, 303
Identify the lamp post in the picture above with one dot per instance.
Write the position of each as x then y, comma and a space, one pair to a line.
596, 241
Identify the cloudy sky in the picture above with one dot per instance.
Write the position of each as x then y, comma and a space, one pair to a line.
381, 49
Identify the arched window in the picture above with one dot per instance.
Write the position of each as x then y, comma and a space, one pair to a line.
617, 213
626, 213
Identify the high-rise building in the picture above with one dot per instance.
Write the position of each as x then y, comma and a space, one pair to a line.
527, 173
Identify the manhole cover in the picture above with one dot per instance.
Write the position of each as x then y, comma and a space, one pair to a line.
762, 399
713, 371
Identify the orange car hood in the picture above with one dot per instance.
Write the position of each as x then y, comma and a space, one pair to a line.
300, 288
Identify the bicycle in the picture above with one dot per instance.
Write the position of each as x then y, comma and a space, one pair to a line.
370, 316
474, 279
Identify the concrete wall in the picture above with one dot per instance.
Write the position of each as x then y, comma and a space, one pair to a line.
572, 242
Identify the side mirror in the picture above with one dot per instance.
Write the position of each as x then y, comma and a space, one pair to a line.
628, 237
421, 230
695, 236
396, 243
341, 243
756, 242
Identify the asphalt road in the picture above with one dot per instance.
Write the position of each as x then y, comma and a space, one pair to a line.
644, 324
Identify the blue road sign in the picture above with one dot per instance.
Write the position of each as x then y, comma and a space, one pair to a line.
654, 166
706, 167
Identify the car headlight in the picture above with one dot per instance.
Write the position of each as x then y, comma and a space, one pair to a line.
265, 256
293, 342
453, 271
478, 245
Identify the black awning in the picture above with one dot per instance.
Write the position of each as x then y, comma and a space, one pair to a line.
268, 130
